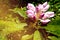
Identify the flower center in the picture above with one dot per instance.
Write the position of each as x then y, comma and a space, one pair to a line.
38, 15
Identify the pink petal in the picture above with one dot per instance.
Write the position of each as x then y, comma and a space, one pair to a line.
41, 15
39, 7
46, 8
30, 7
45, 21
45, 4
49, 14
44, 17
30, 13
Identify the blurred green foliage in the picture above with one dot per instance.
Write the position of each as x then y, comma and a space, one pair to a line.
53, 27
7, 27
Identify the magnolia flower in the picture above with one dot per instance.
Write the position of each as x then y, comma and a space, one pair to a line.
39, 12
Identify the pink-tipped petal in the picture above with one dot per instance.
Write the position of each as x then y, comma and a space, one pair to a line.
46, 8
30, 7
45, 21
49, 14
45, 4
30, 13
44, 17
39, 7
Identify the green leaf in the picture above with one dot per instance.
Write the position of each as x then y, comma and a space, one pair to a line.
37, 35
26, 37
54, 26
7, 27
20, 11
53, 38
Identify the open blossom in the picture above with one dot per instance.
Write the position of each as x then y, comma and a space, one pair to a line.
39, 12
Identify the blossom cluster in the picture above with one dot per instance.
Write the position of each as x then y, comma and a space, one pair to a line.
39, 12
